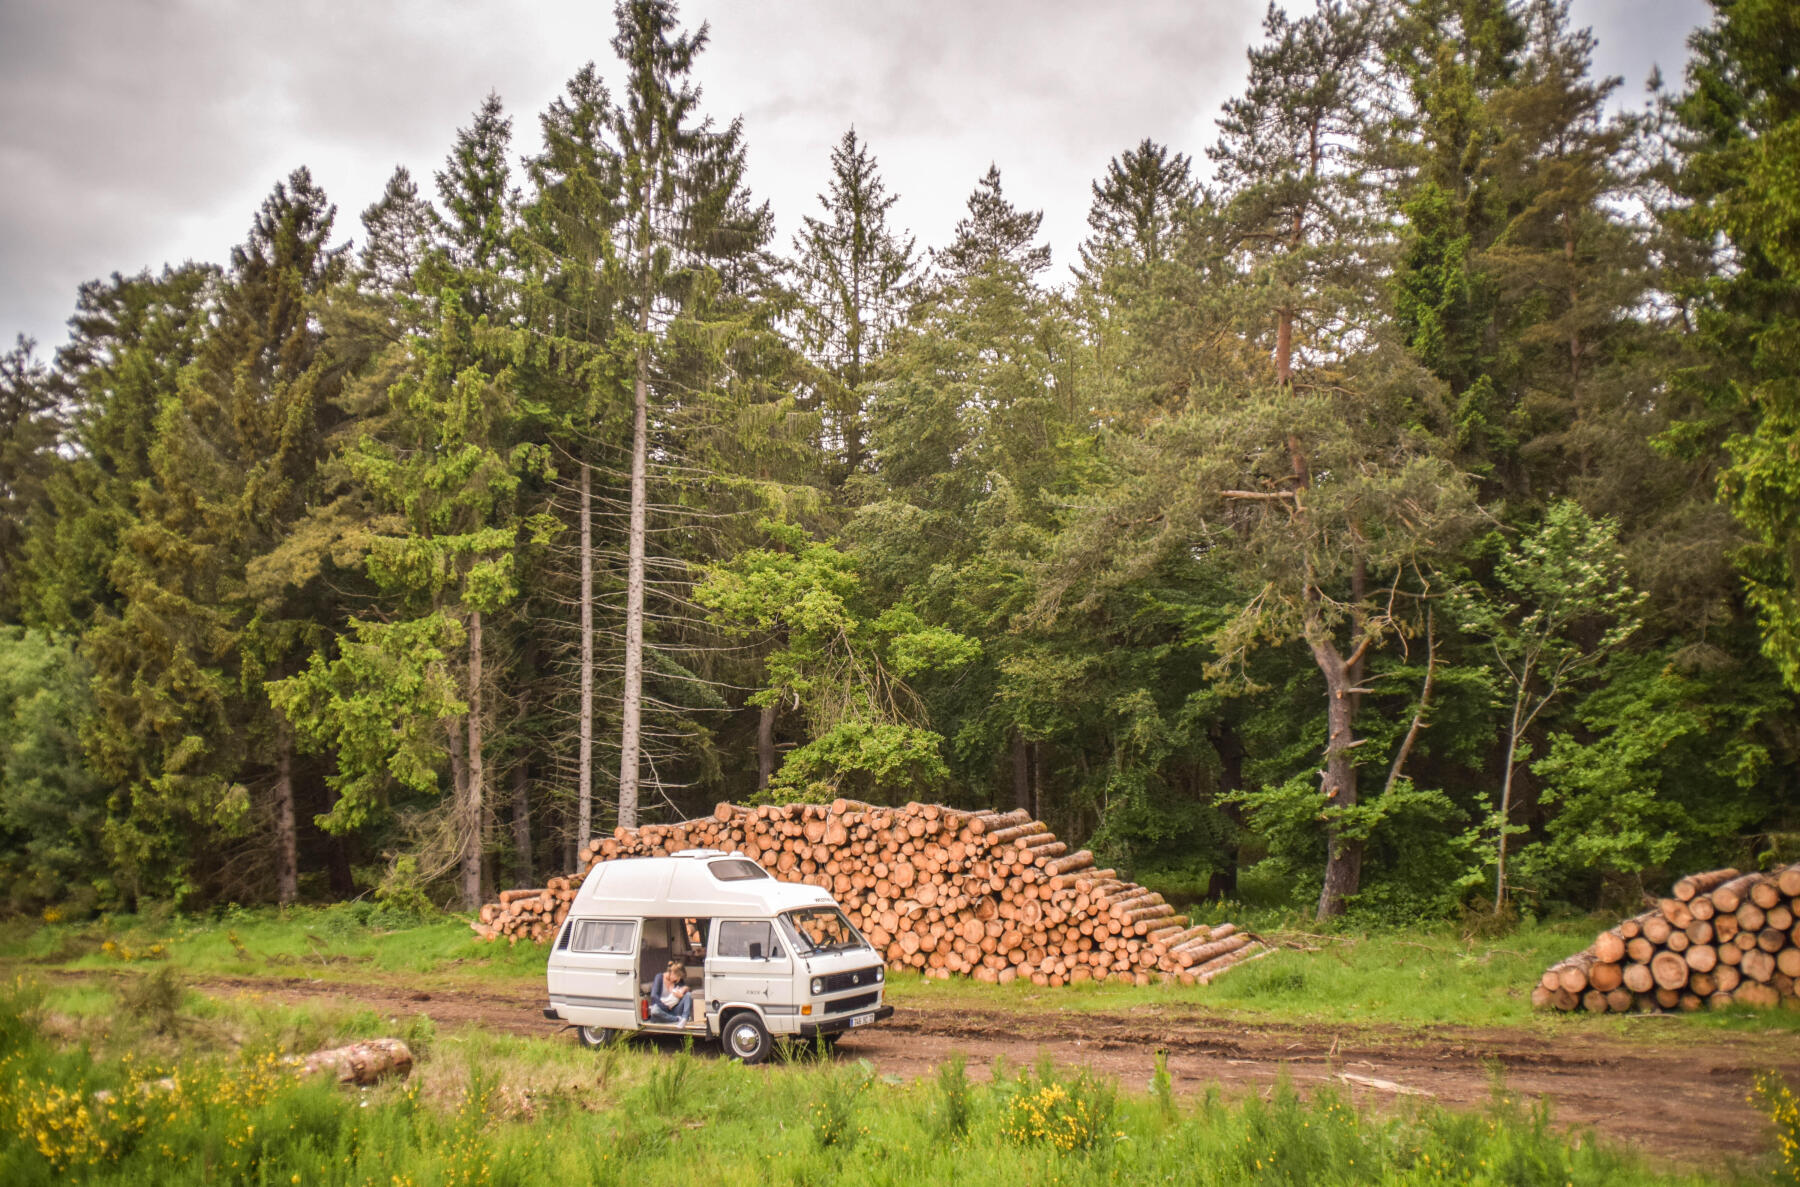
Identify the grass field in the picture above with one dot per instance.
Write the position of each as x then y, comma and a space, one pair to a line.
486, 1108
142, 1095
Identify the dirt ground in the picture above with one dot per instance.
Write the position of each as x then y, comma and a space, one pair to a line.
1670, 1091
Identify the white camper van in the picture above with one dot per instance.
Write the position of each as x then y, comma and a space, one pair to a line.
764, 958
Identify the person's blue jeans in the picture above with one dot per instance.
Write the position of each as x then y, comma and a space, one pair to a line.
683, 1012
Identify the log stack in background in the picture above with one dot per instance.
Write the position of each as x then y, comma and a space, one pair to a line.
992, 895
1723, 937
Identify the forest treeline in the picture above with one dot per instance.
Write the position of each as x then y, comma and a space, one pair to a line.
1398, 512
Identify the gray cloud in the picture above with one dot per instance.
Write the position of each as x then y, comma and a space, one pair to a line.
137, 133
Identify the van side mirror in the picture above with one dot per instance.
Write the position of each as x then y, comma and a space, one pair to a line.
756, 951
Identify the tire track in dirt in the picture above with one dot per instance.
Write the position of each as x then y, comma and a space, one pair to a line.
1674, 1093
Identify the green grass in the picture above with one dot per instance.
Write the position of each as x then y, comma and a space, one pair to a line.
337, 943
487, 1109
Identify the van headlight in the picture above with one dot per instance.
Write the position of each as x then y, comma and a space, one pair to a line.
818, 986
879, 974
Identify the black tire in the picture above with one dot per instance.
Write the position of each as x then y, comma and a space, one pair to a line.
745, 1038
595, 1037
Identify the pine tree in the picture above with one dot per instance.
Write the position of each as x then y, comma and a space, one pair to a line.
994, 232
230, 469
442, 466
129, 340
399, 229
1138, 209
686, 231
29, 431
856, 279
1741, 123
575, 294
1323, 476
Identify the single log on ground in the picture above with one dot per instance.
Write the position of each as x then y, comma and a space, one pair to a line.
367, 1062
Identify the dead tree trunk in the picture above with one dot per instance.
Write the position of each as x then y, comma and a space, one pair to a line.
632, 702
584, 791
1343, 863
765, 747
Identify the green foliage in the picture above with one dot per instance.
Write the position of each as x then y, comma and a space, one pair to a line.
1740, 121
1676, 761
843, 661
379, 706
1163, 557
51, 805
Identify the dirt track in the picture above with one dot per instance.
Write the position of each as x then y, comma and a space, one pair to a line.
1672, 1091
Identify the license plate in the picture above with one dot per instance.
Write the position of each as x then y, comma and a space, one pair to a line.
862, 1019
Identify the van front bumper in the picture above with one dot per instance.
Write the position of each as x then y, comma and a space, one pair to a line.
839, 1025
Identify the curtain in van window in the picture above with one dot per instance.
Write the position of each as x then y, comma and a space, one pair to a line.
735, 939
601, 935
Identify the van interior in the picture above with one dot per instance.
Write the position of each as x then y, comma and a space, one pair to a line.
665, 940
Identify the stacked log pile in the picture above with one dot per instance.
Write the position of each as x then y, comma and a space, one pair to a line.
1722, 937
992, 895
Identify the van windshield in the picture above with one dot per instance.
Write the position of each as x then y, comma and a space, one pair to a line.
823, 929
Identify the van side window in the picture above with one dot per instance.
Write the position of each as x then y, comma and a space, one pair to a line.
734, 939
601, 935
736, 869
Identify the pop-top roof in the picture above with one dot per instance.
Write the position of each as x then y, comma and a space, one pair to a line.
693, 882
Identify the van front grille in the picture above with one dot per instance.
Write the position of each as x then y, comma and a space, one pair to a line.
844, 1005
855, 978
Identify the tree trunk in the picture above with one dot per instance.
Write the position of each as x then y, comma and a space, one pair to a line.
1506, 783
287, 865
765, 747
521, 823
340, 877
1343, 863
473, 800
1021, 771
459, 791
1424, 707
584, 790
632, 703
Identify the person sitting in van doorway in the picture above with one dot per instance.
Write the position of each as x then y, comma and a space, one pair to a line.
670, 1000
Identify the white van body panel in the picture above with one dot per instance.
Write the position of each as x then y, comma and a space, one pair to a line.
604, 989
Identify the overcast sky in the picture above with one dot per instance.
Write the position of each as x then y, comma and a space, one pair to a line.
138, 132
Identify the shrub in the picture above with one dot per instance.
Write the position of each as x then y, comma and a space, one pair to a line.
950, 1117
834, 1107
155, 999
1069, 1115
1776, 1101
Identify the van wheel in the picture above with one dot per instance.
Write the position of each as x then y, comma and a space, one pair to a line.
596, 1036
746, 1039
